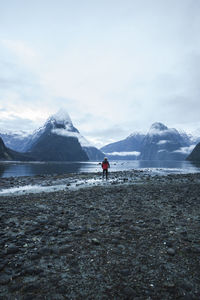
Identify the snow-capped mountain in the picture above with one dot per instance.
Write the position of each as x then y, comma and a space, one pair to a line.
128, 148
57, 135
59, 123
160, 143
57, 140
63, 126
163, 143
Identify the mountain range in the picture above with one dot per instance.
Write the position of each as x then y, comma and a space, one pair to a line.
160, 143
129, 148
59, 140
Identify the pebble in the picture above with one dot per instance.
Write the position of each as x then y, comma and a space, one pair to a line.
125, 272
119, 241
129, 292
95, 241
4, 279
12, 250
65, 249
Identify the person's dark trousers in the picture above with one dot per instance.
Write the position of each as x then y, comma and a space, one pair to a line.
105, 171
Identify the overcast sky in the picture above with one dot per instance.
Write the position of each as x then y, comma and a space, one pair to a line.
117, 66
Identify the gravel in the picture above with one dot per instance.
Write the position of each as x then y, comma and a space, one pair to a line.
135, 239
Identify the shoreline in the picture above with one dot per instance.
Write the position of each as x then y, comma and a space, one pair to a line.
73, 181
136, 237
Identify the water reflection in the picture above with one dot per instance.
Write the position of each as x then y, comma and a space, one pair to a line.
2, 169
8, 169
31, 169
195, 164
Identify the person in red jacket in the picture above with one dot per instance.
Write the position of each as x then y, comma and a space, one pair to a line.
105, 165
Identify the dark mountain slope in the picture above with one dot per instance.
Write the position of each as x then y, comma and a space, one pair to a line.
195, 154
8, 154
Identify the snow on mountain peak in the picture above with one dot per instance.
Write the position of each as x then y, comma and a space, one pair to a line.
61, 117
68, 130
136, 134
158, 127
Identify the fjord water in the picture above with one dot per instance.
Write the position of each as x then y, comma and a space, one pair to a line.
14, 169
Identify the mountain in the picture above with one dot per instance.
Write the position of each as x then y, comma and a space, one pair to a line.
8, 154
93, 153
163, 143
195, 154
57, 139
128, 148
160, 143
16, 140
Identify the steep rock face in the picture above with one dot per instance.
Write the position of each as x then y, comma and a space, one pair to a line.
4, 153
57, 141
163, 143
93, 153
8, 154
195, 154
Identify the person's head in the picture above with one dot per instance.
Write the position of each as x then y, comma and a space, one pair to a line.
105, 158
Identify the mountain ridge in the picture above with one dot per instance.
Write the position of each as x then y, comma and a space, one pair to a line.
159, 143
58, 135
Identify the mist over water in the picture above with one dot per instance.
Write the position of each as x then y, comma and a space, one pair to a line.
15, 169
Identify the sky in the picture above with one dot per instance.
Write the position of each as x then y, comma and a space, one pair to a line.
116, 66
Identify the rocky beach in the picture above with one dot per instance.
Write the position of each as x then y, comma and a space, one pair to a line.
75, 236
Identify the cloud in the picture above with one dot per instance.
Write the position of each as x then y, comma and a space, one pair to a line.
185, 150
130, 153
100, 135
15, 123
22, 52
116, 70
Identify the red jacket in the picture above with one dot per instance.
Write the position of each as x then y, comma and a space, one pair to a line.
105, 165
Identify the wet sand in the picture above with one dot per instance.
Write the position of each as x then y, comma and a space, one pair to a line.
133, 237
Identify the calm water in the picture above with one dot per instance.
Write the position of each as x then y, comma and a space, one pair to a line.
8, 169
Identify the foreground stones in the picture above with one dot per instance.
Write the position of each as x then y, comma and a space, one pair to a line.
131, 241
